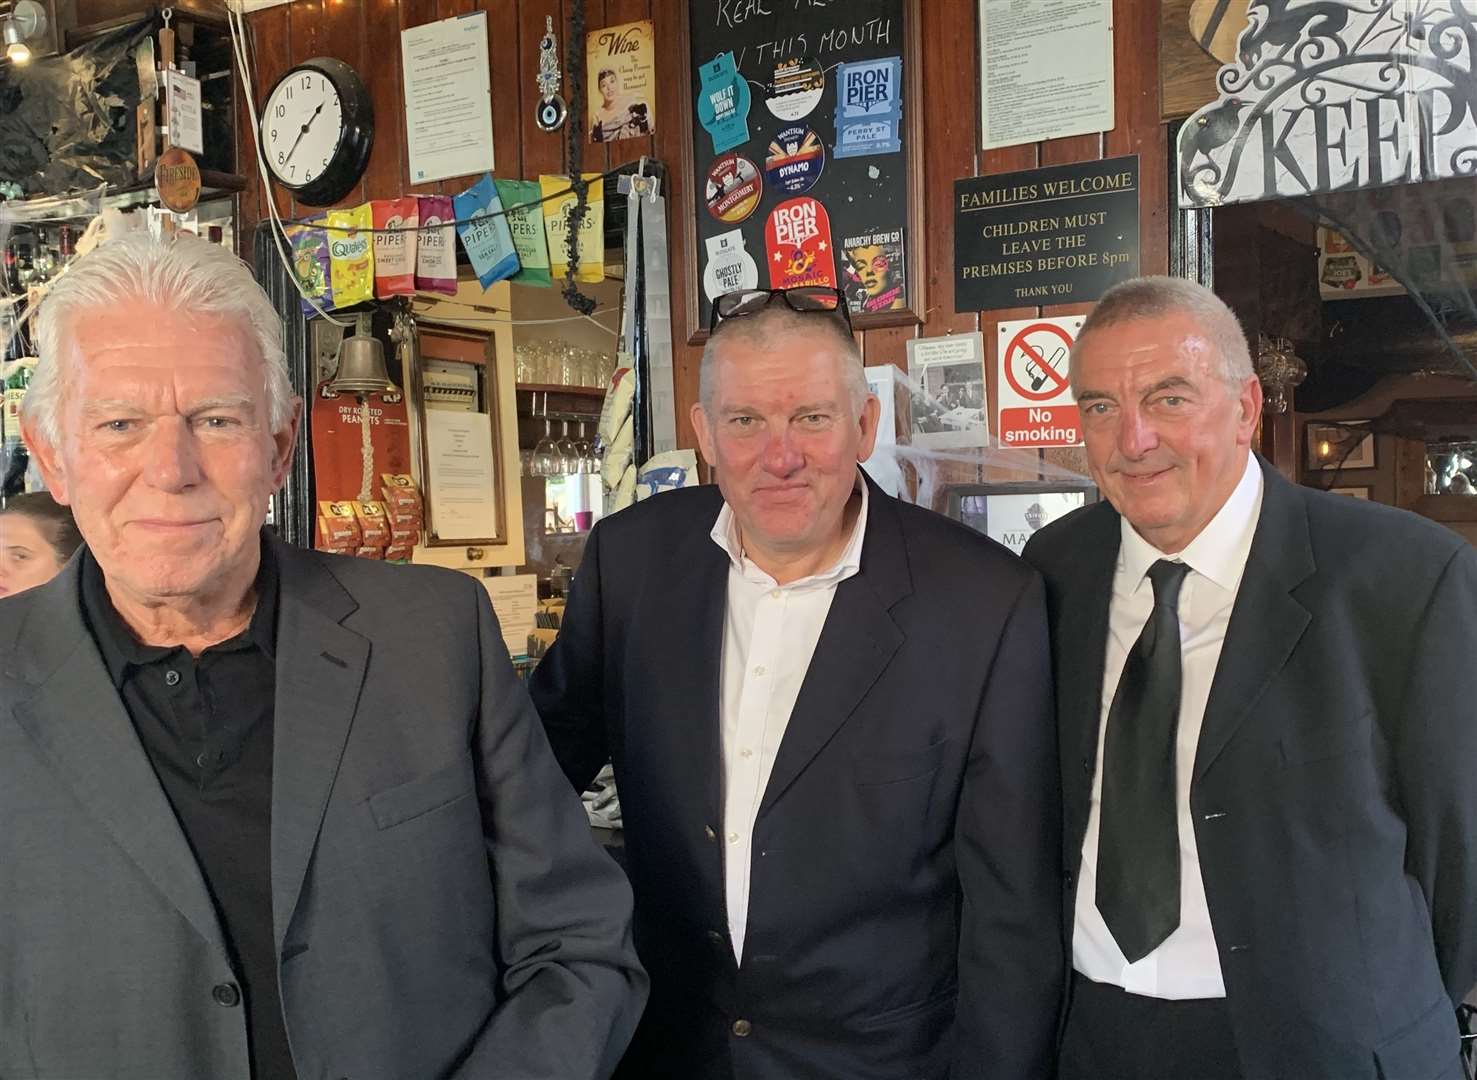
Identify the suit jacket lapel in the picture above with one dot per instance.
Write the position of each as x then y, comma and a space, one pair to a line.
1081, 611
691, 620
320, 672
1266, 622
856, 644
79, 724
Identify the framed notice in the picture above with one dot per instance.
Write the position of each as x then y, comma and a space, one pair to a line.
1059, 235
806, 153
1046, 70
1011, 513
448, 98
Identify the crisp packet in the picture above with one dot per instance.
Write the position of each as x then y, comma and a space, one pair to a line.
484, 231
435, 257
526, 222
339, 526
591, 265
310, 265
394, 252
400, 494
351, 255
374, 527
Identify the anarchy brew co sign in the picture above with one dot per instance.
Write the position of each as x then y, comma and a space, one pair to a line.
1336, 96
1060, 235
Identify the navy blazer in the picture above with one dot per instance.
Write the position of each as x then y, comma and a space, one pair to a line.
904, 913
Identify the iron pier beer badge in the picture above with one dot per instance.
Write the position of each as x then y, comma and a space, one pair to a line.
551, 111
869, 107
797, 240
796, 158
733, 188
730, 267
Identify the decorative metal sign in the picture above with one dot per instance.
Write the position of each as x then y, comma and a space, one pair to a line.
1337, 96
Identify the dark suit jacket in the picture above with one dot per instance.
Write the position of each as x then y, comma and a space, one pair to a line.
1333, 796
440, 908
905, 889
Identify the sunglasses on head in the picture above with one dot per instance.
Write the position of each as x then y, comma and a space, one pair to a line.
804, 299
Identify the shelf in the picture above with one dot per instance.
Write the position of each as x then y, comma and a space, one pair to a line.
574, 391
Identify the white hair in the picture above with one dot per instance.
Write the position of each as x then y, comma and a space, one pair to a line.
1156, 297
183, 273
764, 326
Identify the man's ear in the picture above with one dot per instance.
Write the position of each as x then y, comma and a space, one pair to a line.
284, 443
47, 459
704, 433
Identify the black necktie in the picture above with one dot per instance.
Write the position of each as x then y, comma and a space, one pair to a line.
1138, 854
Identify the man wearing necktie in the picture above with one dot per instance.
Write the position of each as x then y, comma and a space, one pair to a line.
1268, 717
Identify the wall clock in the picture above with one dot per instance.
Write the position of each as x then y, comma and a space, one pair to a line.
316, 131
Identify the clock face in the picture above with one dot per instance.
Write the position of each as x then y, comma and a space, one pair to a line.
302, 127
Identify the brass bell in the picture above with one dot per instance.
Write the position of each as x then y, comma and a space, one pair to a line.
361, 364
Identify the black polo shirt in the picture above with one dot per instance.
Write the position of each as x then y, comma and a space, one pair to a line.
206, 725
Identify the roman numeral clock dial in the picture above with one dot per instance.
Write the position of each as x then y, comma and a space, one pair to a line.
316, 131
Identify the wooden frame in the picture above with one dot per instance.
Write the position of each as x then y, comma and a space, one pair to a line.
1357, 491
478, 350
912, 152
1362, 456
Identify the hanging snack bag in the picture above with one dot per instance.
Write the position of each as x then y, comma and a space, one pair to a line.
526, 221
394, 251
435, 256
485, 233
351, 255
310, 265
591, 253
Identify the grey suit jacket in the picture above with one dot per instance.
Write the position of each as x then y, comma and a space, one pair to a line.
440, 909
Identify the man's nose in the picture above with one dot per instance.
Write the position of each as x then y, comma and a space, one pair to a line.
781, 456
1136, 435
172, 460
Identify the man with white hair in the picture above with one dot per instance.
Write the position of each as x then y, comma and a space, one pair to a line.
267, 813
1268, 716
830, 718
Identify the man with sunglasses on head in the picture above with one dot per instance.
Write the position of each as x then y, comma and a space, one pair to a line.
830, 718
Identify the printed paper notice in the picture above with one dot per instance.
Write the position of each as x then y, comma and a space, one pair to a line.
186, 128
1046, 70
515, 603
448, 98
463, 487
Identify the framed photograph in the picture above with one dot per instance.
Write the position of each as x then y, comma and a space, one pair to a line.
1346, 445
1363, 492
1011, 513
947, 405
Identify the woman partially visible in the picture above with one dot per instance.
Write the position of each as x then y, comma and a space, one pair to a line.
37, 537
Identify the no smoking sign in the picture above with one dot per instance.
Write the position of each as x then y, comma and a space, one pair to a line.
1036, 406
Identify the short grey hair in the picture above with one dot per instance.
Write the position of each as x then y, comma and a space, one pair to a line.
1156, 297
183, 272
764, 327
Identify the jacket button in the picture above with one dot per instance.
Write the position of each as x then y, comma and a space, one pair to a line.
1068, 879
709, 833
741, 1028
1087, 765
715, 938
227, 995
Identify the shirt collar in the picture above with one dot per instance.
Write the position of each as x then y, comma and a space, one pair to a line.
121, 650
725, 534
1220, 550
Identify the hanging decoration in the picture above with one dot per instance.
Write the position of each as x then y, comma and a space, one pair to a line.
551, 112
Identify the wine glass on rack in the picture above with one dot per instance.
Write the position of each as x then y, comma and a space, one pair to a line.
547, 459
569, 452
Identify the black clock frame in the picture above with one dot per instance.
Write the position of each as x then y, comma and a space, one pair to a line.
351, 156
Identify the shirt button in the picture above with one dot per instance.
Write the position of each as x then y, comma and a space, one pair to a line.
775, 594
733, 838
202, 760
715, 938
746, 754
227, 995
171, 677
741, 1028
759, 670
709, 833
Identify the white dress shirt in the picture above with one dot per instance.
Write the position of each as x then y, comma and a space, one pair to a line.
769, 635
1186, 964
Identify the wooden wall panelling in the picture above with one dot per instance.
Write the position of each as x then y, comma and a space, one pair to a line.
383, 179
341, 35
270, 37
542, 151
1138, 130
504, 46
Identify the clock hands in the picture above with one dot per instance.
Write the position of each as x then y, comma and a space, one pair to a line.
304, 130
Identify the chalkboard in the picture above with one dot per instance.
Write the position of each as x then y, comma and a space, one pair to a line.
805, 156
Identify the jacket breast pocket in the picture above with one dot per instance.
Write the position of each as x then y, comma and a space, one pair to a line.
414, 798
1325, 740
894, 767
